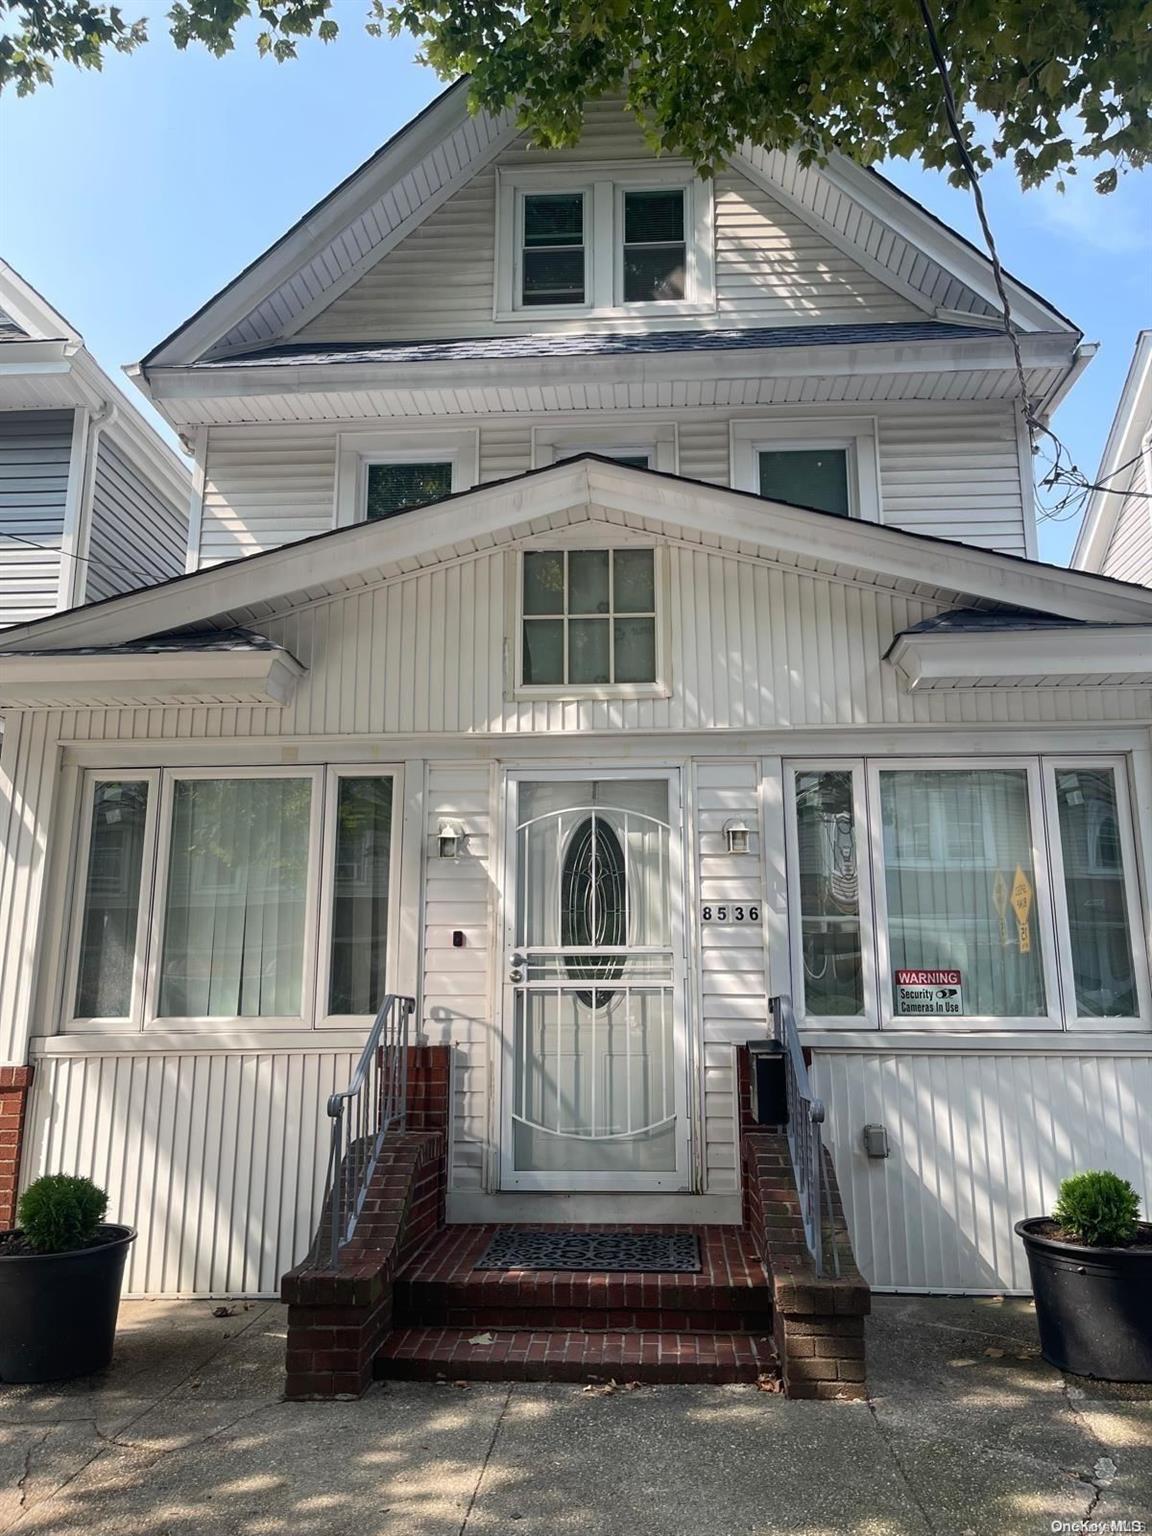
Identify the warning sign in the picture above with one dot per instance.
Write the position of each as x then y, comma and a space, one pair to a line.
922, 992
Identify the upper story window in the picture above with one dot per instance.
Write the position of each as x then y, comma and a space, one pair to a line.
588, 620
381, 474
608, 241
552, 256
827, 463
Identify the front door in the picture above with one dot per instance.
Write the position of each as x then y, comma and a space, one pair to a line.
595, 1059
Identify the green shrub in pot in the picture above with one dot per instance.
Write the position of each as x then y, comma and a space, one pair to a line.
1098, 1209
60, 1212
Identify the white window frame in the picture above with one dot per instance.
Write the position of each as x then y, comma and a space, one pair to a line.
82, 853
856, 435
333, 776
868, 1018
153, 1019
654, 690
1052, 765
658, 440
603, 188
356, 451
1043, 909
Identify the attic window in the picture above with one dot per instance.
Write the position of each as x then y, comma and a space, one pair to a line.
552, 257
655, 255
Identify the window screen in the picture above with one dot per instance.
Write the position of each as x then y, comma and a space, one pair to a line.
360, 890
111, 900
1103, 965
553, 252
589, 617
655, 254
394, 488
807, 477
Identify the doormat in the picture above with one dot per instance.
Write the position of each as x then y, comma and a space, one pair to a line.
660, 1253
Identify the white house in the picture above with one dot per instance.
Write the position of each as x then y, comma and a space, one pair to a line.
611, 602
92, 500
1116, 535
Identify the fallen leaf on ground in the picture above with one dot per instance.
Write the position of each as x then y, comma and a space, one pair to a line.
769, 1384
962, 1362
995, 1354
482, 1338
599, 1389
223, 1311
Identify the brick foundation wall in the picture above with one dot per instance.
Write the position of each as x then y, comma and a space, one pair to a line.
14, 1085
338, 1317
818, 1320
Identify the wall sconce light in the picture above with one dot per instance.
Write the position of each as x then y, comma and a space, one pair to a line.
737, 837
450, 839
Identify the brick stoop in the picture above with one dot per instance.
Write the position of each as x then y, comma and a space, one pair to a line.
455, 1322
15, 1083
339, 1316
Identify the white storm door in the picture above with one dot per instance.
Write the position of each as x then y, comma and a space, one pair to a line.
595, 1056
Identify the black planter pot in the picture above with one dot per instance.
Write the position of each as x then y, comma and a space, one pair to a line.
58, 1310
1093, 1305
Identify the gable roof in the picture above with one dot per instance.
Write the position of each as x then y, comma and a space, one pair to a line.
1130, 425
239, 593
445, 146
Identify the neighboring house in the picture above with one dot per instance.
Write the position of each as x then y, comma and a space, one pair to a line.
92, 500
613, 602
1116, 534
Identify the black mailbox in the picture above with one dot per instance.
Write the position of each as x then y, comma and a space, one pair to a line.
769, 1084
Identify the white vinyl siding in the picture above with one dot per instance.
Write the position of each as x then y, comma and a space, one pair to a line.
733, 995
456, 990
950, 471
1129, 554
978, 1141
35, 447
137, 534
771, 267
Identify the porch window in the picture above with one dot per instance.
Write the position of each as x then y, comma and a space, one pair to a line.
832, 881
361, 885
110, 918
235, 900
1097, 890
588, 618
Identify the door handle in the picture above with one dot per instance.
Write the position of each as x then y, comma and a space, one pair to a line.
515, 975
516, 967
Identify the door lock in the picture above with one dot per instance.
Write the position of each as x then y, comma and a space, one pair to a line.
516, 973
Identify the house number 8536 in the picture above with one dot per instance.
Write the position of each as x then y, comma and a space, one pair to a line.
729, 912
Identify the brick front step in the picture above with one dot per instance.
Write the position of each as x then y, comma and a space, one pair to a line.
434, 1354
441, 1288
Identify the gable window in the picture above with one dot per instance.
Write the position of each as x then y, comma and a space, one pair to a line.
382, 474
393, 488
588, 618
552, 254
626, 239
826, 463
655, 254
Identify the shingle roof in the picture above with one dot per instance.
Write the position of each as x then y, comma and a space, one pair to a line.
9, 330
200, 640
994, 620
595, 344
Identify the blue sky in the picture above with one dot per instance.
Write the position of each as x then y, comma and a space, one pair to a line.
131, 196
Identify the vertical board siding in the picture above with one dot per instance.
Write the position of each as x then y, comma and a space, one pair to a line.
732, 976
751, 646
771, 266
138, 535
456, 1004
35, 447
977, 1142
1129, 554
28, 756
219, 1160
952, 471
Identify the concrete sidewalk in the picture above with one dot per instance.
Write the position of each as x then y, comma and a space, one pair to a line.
969, 1433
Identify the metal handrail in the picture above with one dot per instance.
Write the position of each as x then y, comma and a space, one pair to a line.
374, 1103
805, 1140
